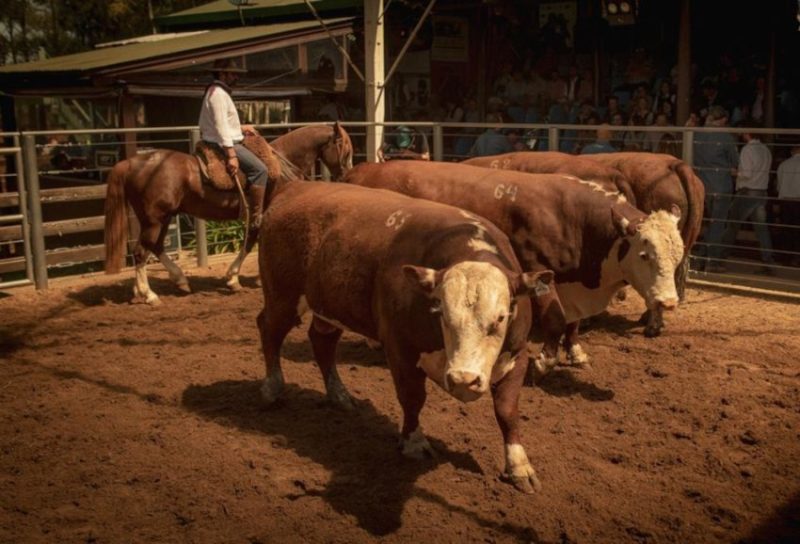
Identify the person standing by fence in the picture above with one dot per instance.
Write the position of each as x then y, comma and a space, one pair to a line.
716, 160
789, 195
749, 204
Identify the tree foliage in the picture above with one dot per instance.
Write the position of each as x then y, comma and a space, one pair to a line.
34, 29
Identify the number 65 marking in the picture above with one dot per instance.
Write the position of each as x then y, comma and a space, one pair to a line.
397, 219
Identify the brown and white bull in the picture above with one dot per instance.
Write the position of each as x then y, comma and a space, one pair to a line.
651, 181
590, 236
440, 289
659, 182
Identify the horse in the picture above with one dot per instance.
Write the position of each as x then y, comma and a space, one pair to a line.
162, 183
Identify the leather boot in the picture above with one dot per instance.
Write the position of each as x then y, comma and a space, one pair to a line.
255, 200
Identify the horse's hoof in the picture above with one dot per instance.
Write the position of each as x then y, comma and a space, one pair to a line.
652, 332
184, 287
234, 284
271, 390
416, 446
153, 300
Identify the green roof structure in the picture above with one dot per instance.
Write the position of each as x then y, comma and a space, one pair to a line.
224, 13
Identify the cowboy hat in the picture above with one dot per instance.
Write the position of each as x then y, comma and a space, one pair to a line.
227, 65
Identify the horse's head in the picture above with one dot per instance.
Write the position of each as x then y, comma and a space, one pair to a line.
337, 152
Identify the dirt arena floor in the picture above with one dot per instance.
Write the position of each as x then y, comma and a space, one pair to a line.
124, 423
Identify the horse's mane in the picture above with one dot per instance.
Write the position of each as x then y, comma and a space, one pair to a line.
289, 171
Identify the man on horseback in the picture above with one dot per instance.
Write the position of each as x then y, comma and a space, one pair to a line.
219, 124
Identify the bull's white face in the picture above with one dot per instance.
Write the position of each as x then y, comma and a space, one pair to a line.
656, 251
474, 304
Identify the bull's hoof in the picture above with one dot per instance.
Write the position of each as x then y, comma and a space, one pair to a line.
233, 284
524, 479
416, 446
341, 399
576, 356
184, 287
271, 389
652, 331
538, 368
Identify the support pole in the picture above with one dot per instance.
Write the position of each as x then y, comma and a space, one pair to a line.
373, 58
684, 64
199, 224
34, 211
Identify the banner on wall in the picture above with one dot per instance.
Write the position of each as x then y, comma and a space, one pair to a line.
450, 39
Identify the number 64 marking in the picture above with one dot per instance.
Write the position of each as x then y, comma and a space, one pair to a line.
502, 190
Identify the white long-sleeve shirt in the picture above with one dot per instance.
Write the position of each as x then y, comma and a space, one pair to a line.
789, 177
219, 120
755, 160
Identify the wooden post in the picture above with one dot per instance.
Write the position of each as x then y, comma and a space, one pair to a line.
128, 117
200, 233
684, 65
375, 91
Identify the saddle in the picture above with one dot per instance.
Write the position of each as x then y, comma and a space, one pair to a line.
211, 160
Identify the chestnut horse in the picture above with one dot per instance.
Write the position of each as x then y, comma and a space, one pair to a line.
162, 183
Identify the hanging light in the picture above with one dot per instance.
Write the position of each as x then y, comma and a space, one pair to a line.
620, 12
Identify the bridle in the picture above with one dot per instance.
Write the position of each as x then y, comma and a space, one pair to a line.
341, 152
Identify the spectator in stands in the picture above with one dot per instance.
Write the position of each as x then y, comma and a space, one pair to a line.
640, 116
661, 141
406, 143
493, 141
601, 145
716, 160
612, 108
752, 181
709, 97
789, 195
465, 142
618, 135
665, 95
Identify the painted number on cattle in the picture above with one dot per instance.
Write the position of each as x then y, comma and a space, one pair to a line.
397, 219
505, 190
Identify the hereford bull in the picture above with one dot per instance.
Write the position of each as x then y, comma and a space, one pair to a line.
656, 181
439, 288
555, 162
591, 237
659, 182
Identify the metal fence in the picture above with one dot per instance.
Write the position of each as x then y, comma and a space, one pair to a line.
52, 192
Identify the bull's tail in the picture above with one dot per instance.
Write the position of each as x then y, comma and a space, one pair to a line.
116, 209
695, 200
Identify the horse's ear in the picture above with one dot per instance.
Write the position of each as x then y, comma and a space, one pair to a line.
337, 131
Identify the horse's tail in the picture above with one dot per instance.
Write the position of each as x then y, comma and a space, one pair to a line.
116, 209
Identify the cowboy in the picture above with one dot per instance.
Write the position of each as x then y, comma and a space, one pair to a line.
219, 124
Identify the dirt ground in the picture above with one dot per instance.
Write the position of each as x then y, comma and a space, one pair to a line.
121, 422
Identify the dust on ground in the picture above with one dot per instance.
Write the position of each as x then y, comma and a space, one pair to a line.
122, 422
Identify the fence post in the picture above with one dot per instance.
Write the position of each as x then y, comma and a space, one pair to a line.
438, 143
552, 138
199, 224
23, 209
688, 147
34, 211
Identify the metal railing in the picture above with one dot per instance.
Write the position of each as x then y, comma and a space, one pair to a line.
49, 241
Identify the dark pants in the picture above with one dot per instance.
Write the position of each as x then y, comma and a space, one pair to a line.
750, 204
253, 168
790, 218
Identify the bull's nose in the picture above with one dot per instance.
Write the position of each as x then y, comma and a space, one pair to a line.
465, 386
669, 304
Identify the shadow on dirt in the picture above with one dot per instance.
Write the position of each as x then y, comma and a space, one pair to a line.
122, 292
564, 383
353, 350
370, 479
782, 527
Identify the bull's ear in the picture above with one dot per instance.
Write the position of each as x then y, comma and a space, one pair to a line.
675, 212
421, 278
535, 283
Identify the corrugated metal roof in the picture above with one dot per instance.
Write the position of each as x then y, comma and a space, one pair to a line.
223, 11
109, 58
